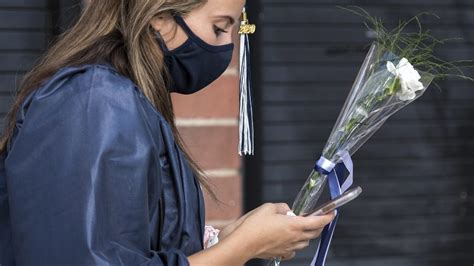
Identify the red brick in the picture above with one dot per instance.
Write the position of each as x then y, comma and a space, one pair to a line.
229, 191
220, 99
213, 147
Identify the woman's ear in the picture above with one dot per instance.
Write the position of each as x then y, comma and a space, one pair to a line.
157, 23
165, 25
173, 35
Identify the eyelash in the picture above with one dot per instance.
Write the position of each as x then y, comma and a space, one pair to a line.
218, 30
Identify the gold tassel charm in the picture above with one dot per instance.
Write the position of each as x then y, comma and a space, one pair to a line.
245, 26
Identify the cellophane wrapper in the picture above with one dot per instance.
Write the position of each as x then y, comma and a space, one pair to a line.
371, 101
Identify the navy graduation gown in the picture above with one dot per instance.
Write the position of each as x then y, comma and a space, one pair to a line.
80, 182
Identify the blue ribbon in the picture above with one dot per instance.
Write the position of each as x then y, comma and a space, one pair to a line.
335, 173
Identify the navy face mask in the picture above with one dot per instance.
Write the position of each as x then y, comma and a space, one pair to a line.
194, 64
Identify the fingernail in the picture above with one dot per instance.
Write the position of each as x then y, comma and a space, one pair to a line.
290, 213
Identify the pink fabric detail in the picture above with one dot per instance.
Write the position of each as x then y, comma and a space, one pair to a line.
210, 236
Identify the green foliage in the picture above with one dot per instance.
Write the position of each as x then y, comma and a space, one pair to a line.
418, 46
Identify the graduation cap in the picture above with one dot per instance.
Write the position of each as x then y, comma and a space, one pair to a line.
246, 130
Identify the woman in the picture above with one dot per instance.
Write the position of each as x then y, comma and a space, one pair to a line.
93, 171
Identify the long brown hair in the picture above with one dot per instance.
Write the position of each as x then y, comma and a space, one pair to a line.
119, 32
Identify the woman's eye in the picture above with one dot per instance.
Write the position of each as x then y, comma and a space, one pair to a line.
218, 31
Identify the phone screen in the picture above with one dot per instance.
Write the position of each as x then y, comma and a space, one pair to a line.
337, 202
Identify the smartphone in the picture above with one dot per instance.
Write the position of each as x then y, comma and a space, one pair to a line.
337, 202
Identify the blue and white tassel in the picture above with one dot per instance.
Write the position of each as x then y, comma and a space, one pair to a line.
246, 130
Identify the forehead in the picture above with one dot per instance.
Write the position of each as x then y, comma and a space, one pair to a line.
232, 8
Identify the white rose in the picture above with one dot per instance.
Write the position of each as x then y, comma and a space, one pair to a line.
409, 79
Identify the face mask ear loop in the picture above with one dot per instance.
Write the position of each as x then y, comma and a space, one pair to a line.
180, 21
161, 43
164, 49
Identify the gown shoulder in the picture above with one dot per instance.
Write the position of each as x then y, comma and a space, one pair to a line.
83, 175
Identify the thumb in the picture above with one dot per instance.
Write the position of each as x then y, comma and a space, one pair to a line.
282, 208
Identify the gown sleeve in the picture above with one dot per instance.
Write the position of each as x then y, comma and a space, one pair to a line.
82, 172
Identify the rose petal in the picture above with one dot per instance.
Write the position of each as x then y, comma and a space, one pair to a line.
415, 85
403, 62
406, 95
391, 68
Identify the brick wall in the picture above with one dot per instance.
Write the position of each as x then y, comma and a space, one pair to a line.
208, 122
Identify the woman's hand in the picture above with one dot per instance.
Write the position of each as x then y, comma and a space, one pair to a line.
268, 232
265, 232
228, 229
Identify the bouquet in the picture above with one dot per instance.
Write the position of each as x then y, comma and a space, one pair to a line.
397, 70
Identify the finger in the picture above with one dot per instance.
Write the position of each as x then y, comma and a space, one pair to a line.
282, 208
300, 245
311, 234
288, 256
315, 222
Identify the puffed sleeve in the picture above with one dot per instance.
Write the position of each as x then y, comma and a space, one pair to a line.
82, 171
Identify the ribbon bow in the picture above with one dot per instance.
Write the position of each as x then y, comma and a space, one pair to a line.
335, 173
